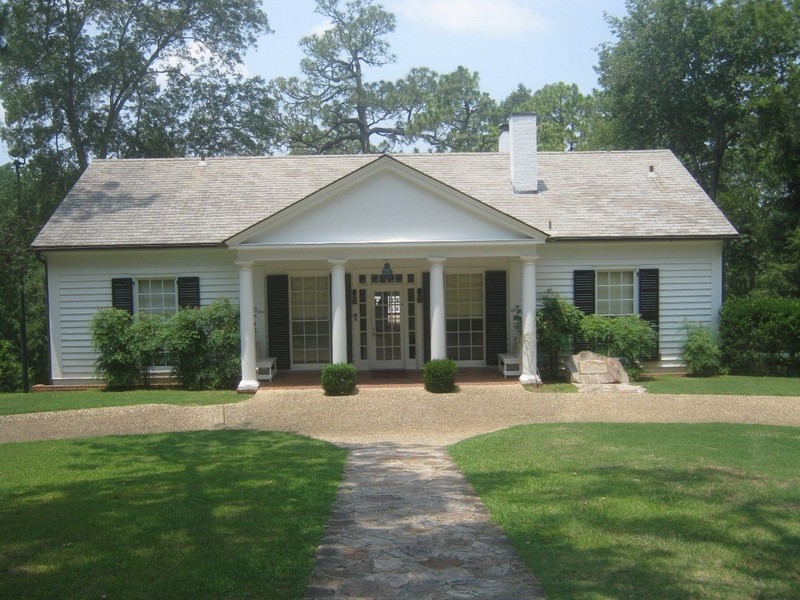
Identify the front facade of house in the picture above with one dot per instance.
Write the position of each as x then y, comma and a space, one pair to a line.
384, 261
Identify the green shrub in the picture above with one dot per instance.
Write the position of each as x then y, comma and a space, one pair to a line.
439, 375
700, 351
147, 344
557, 324
761, 336
204, 346
628, 338
339, 379
10, 368
111, 337
224, 343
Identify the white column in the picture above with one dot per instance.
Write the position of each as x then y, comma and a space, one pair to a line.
247, 328
437, 324
338, 312
528, 350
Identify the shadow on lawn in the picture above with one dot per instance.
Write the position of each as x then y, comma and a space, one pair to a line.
191, 515
631, 533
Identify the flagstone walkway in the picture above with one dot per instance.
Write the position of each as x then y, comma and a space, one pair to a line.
407, 525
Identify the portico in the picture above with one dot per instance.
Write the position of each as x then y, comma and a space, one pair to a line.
325, 259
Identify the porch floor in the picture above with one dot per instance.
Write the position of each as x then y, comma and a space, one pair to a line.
311, 379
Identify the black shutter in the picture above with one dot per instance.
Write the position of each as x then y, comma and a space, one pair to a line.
348, 288
122, 294
188, 292
648, 302
583, 298
583, 292
496, 329
426, 314
278, 319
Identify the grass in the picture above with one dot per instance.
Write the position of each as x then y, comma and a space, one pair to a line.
225, 514
723, 385
11, 404
551, 387
602, 511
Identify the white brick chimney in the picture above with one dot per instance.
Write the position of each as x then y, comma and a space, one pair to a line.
504, 142
522, 146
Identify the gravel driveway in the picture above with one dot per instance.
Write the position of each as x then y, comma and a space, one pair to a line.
402, 415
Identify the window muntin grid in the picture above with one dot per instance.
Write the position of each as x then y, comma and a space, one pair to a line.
309, 305
615, 292
156, 297
464, 316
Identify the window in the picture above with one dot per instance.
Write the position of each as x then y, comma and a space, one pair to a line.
464, 316
156, 296
309, 303
615, 293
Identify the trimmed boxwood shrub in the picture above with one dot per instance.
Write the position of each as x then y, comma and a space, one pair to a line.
439, 375
761, 336
700, 351
628, 338
339, 379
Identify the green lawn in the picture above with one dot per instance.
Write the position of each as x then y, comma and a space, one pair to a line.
725, 384
11, 404
602, 511
224, 514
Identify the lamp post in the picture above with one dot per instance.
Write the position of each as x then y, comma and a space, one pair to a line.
23, 328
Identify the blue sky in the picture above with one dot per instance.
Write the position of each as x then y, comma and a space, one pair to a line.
533, 42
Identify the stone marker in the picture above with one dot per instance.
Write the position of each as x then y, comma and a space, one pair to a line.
588, 367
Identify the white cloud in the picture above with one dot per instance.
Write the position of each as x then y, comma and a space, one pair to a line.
492, 17
321, 28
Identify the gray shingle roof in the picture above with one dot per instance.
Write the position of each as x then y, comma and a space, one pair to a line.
177, 202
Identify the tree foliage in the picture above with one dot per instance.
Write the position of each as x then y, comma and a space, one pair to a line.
717, 82
334, 107
565, 116
453, 114
79, 77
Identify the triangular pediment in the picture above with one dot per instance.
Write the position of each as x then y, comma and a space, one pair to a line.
386, 202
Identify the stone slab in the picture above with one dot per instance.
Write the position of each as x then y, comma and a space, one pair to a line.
590, 368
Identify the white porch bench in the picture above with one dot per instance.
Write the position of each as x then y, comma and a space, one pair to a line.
508, 364
268, 365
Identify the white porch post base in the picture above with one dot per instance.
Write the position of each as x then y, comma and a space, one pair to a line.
530, 380
248, 387
247, 329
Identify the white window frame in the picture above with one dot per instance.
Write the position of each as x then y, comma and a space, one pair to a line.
634, 296
136, 303
307, 275
165, 368
456, 273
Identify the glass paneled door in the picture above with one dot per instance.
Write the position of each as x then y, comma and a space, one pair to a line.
386, 324
387, 320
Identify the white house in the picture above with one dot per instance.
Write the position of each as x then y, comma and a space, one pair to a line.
384, 261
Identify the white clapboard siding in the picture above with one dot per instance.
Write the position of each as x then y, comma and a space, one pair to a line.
79, 284
690, 279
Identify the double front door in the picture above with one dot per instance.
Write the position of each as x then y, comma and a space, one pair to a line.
387, 326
